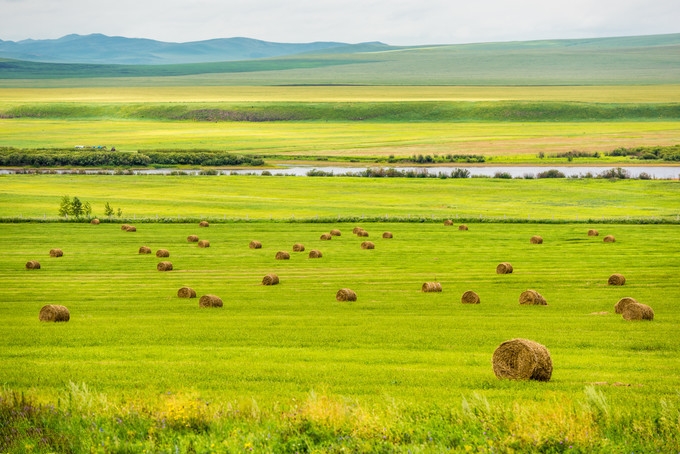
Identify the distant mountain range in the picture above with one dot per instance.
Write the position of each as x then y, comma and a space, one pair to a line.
102, 49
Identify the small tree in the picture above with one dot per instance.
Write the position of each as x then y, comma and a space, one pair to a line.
119, 212
76, 207
108, 210
87, 209
65, 206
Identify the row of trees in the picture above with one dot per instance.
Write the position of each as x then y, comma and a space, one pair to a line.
76, 208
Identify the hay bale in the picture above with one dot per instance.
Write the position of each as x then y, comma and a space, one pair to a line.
448, 222
355, 230
345, 294
623, 303
315, 254
210, 301
255, 245
54, 313
504, 268
125, 226
204, 244
162, 253
536, 240
145, 250
270, 279
593, 232
387, 235
367, 245
192, 239
94, 221
470, 297
326, 237
282, 255
186, 292
336, 232
522, 359
56, 252
32, 265
164, 266
609, 239
429, 287
637, 311
532, 297
362, 233
203, 224
462, 227
131, 228
298, 247
616, 279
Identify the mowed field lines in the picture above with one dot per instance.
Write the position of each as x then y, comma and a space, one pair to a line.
130, 335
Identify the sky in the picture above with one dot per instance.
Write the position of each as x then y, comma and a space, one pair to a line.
395, 22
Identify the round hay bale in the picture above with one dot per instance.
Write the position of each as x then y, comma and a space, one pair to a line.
362, 233
355, 230
94, 221
470, 297
298, 247
282, 255
204, 224
429, 287
210, 301
609, 239
623, 303
532, 297
186, 292
336, 232
315, 254
164, 266
536, 240
463, 227
448, 222
326, 237
192, 239
522, 359
32, 265
145, 250
345, 294
367, 245
255, 245
125, 226
637, 311
54, 313
270, 279
132, 228
56, 253
204, 244
162, 253
387, 235
616, 279
504, 268
593, 232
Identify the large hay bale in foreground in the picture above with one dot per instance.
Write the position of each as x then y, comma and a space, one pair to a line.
609, 239
164, 266
325, 237
336, 232
448, 222
462, 227
622, 303
315, 254
204, 244
54, 313
270, 279
430, 287
204, 224
504, 268
593, 232
56, 252
33, 265
637, 311
532, 297
192, 239
162, 253
255, 245
536, 240
470, 297
522, 359
145, 250
387, 235
616, 279
298, 247
210, 301
94, 221
367, 245
186, 292
282, 255
345, 294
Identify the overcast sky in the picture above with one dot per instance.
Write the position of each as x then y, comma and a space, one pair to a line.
396, 22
